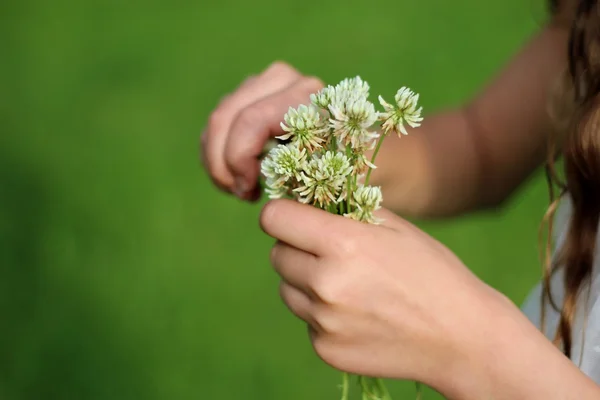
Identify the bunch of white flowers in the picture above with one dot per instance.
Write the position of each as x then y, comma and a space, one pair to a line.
324, 160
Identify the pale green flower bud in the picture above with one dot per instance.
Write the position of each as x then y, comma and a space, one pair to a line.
365, 201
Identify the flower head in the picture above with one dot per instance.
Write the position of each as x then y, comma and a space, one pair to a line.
323, 97
404, 111
365, 201
348, 89
323, 178
304, 127
351, 121
354, 85
283, 163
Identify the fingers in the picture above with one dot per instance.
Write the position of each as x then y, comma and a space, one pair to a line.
298, 303
255, 124
309, 228
295, 266
274, 79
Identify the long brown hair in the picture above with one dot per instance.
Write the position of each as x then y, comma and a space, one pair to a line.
580, 116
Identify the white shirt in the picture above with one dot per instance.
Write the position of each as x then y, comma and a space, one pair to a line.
586, 337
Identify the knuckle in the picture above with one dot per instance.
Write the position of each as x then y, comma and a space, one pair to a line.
326, 286
219, 177
250, 115
283, 294
325, 319
313, 83
216, 121
344, 245
281, 67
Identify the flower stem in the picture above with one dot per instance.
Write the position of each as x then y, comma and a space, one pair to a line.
367, 394
383, 390
345, 385
349, 195
419, 388
379, 142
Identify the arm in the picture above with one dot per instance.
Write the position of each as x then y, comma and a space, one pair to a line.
515, 361
476, 156
458, 161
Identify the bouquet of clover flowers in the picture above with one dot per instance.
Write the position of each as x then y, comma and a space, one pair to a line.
324, 161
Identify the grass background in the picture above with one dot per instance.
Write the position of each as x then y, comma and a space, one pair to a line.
123, 273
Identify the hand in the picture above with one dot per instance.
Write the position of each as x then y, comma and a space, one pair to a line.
243, 122
385, 301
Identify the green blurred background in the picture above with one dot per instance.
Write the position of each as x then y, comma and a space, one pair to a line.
123, 273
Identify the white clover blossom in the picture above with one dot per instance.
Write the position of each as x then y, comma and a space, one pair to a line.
323, 97
274, 191
404, 111
354, 85
324, 178
348, 89
365, 201
351, 121
282, 163
304, 126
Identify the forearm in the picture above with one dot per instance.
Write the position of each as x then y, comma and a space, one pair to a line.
510, 359
436, 170
476, 156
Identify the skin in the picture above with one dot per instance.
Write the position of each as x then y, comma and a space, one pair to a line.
360, 288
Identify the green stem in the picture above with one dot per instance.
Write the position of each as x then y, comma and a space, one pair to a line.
379, 142
383, 390
334, 144
345, 385
349, 195
366, 390
419, 388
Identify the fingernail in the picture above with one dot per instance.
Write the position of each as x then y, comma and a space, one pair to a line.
241, 188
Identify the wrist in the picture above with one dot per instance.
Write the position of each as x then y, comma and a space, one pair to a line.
508, 358
479, 343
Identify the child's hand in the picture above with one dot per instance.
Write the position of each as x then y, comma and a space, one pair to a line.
387, 300
244, 121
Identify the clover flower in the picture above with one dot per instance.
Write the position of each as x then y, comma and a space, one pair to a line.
323, 97
282, 163
354, 85
304, 127
324, 178
348, 89
365, 201
351, 121
404, 111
